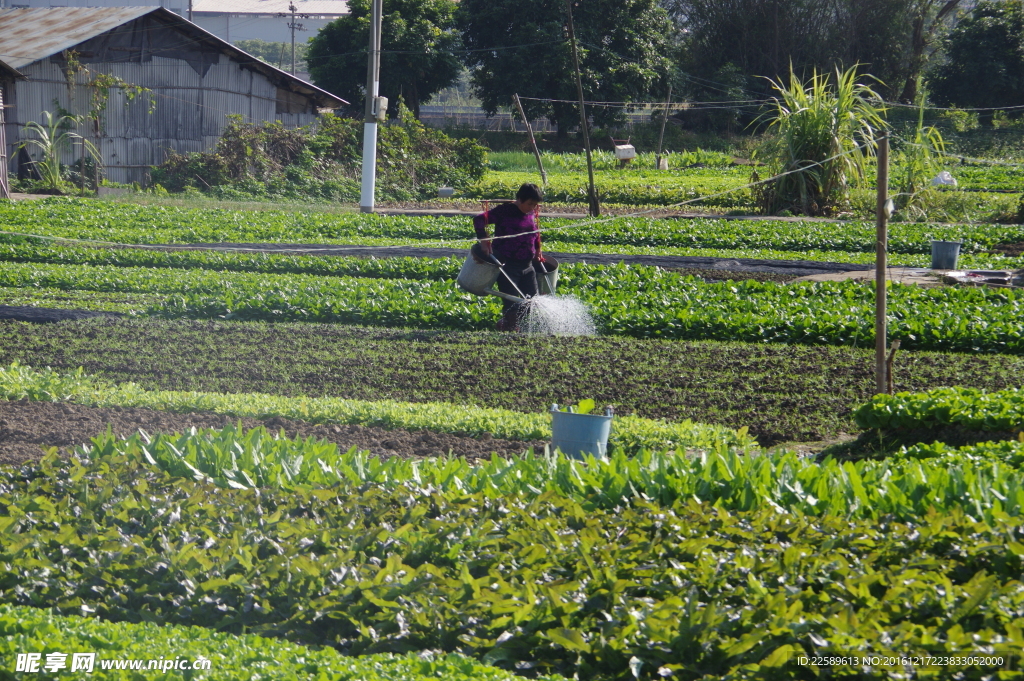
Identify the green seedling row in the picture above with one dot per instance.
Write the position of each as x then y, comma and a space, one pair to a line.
781, 392
633, 301
645, 161
138, 224
631, 433
122, 650
649, 303
1007, 452
426, 268
989, 177
728, 478
430, 268
234, 261
639, 186
537, 584
968, 408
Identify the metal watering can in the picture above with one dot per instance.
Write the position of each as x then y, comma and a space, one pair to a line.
479, 277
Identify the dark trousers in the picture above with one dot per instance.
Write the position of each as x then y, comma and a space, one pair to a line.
525, 277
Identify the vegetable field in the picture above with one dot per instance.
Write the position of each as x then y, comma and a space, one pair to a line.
707, 546
546, 582
832, 241
420, 293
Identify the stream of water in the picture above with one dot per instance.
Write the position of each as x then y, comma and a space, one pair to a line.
558, 316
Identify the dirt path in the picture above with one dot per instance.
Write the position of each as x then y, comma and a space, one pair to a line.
27, 427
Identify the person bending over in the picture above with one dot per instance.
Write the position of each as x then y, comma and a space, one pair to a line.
518, 222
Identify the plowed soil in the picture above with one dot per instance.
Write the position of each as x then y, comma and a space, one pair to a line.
1009, 250
26, 428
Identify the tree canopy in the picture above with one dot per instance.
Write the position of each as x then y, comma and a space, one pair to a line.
984, 60
522, 46
764, 39
419, 52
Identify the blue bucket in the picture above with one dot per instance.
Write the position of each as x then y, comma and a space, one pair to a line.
945, 254
580, 434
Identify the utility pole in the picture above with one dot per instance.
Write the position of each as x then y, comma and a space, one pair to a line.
294, 26
881, 245
595, 206
373, 113
190, 10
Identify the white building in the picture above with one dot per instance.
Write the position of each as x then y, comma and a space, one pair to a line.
229, 20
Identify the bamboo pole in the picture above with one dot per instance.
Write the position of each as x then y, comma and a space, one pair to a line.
595, 206
661, 135
533, 140
5, 187
881, 243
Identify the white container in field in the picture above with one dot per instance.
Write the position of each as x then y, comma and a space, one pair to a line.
944, 179
625, 152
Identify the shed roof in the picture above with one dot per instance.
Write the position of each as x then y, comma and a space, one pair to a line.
9, 72
30, 35
315, 7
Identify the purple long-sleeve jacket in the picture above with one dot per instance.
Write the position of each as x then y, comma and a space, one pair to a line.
507, 220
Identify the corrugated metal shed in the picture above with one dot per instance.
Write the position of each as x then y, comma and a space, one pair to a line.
8, 75
30, 35
195, 78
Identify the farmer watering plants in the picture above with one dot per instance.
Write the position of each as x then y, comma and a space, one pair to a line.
519, 250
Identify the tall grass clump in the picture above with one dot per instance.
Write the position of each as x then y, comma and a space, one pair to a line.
822, 134
917, 163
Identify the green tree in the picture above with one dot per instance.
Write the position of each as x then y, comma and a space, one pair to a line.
522, 46
765, 38
928, 19
276, 54
984, 60
419, 45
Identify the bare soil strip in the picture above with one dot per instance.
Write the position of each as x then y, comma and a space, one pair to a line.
27, 313
26, 428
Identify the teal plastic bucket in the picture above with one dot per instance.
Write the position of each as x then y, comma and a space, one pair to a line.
580, 434
945, 254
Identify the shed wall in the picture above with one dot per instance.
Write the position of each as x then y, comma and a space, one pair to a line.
190, 110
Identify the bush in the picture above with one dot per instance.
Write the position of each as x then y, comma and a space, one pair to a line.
190, 170
323, 161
